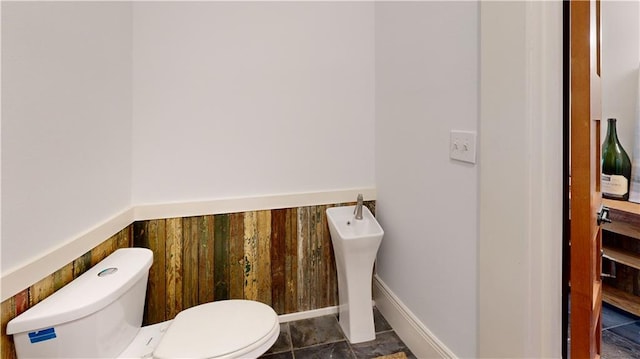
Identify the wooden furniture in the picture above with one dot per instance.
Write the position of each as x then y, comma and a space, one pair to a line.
621, 245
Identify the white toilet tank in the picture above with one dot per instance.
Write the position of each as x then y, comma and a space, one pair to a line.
95, 316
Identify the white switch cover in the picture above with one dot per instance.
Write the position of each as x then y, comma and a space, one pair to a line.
462, 146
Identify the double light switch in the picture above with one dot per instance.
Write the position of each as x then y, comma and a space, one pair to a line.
462, 146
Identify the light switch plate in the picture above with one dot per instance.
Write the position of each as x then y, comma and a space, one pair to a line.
462, 146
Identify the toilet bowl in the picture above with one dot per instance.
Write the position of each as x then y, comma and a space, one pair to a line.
223, 329
99, 315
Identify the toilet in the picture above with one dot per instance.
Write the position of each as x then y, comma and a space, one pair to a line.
99, 315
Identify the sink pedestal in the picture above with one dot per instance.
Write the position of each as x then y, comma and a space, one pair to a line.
355, 243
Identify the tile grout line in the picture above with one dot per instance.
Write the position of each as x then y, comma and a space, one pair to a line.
319, 344
353, 353
624, 339
293, 356
385, 331
619, 325
349, 345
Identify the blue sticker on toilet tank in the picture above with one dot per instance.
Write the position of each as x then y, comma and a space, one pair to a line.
42, 335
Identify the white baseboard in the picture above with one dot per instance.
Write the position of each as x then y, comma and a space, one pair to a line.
413, 333
284, 318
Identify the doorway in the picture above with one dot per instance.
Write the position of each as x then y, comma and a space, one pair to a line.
619, 209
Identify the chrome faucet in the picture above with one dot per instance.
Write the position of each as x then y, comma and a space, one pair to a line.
358, 210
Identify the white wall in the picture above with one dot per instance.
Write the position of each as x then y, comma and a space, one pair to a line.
620, 62
521, 194
427, 84
244, 99
66, 122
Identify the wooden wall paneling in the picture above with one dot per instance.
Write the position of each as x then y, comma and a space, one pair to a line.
334, 276
291, 261
156, 294
8, 312
21, 301
323, 254
236, 256
278, 256
329, 266
310, 257
372, 206
102, 250
206, 260
221, 254
11, 308
263, 269
300, 253
140, 238
322, 301
315, 261
81, 264
250, 256
190, 243
62, 276
173, 253
303, 256
124, 238
41, 290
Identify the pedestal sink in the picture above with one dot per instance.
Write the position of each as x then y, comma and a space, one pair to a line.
355, 243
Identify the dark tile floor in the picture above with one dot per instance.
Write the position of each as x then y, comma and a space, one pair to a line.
620, 334
322, 337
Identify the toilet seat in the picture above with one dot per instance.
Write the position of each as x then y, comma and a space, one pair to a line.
222, 329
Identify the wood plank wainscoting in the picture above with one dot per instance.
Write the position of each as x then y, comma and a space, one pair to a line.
281, 257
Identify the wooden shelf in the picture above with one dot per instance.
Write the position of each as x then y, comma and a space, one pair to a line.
625, 217
627, 258
624, 228
621, 299
623, 206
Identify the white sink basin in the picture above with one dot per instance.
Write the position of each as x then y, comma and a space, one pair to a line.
347, 227
355, 244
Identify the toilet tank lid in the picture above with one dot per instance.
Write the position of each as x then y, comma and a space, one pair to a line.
95, 289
